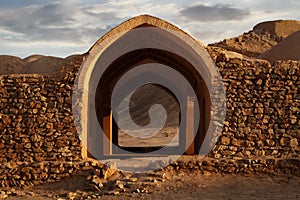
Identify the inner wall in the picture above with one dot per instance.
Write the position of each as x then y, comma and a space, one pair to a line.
140, 102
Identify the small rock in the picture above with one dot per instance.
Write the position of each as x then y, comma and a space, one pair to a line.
284, 141
3, 195
97, 181
236, 142
120, 185
225, 140
294, 142
259, 82
164, 176
133, 179
71, 195
109, 173
30, 193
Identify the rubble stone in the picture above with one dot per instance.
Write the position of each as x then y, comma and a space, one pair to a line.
39, 142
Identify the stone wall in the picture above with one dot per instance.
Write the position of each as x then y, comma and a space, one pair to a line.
262, 127
263, 108
36, 121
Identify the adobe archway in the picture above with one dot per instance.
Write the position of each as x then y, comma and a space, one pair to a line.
148, 40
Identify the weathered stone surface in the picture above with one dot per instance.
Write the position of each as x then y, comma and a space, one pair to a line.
38, 137
36, 116
294, 142
225, 140
262, 108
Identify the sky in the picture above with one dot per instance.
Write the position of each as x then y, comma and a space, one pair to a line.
65, 27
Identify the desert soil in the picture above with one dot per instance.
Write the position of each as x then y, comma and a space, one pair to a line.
178, 185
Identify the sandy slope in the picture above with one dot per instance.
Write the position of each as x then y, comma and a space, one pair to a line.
287, 49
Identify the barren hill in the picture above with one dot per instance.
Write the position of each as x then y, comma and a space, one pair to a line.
263, 37
35, 64
287, 49
278, 28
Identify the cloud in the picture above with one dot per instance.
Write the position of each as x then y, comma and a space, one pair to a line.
54, 21
59, 25
17, 3
63, 27
67, 21
64, 23
35, 22
218, 12
100, 15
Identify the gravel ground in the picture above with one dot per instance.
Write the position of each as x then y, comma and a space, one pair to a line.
170, 185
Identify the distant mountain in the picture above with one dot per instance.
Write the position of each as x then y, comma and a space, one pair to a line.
35, 64
148, 95
263, 37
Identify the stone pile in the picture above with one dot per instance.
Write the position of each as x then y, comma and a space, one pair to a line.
23, 174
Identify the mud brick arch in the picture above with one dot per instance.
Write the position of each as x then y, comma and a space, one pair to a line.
109, 59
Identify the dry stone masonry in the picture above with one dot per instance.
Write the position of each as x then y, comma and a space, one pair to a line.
263, 108
36, 120
39, 142
261, 133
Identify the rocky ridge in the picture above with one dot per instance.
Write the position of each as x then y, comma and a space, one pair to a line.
35, 64
263, 37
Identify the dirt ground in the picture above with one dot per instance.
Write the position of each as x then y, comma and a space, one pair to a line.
176, 185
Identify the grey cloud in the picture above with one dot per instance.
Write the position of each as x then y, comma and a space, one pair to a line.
219, 12
53, 21
207, 34
17, 3
53, 14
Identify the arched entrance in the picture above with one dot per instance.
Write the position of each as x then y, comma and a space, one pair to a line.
133, 59
154, 52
